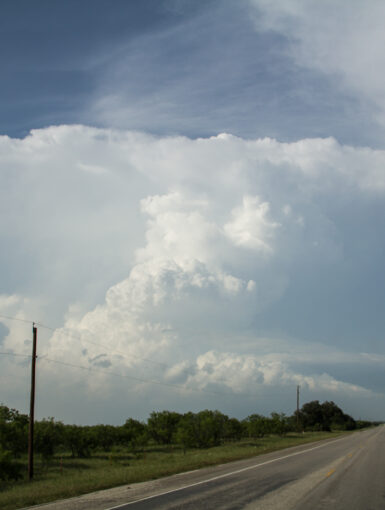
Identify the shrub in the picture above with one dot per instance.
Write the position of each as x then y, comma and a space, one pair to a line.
9, 468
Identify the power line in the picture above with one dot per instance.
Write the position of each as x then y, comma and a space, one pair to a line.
16, 319
28, 321
108, 348
78, 337
189, 372
147, 381
132, 356
15, 354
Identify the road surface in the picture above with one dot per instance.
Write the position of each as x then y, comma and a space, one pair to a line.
343, 473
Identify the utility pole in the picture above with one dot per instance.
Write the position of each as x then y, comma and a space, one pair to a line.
298, 407
32, 406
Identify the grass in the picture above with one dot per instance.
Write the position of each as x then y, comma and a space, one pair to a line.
65, 477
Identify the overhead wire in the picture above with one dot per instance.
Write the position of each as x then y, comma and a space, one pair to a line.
139, 379
116, 351
129, 356
149, 381
15, 354
108, 348
146, 381
16, 319
78, 337
111, 350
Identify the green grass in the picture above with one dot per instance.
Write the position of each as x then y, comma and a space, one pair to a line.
66, 477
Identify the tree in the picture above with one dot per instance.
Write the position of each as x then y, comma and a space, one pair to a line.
211, 428
257, 426
163, 425
233, 429
78, 439
336, 418
134, 433
48, 437
316, 416
201, 430
312, 416
9, 468
13, 431
186, 432
103, 436
279, 424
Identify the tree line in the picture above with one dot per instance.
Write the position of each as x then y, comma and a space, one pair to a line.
190, 430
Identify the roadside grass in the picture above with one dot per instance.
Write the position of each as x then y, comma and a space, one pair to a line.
65, 476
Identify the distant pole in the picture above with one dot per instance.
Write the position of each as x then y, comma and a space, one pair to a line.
32, 406
298, 407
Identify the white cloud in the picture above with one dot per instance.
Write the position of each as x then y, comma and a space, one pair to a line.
343, 40
250, 226
170, 249
240, 373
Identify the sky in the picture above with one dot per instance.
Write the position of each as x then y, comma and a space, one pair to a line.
192, 206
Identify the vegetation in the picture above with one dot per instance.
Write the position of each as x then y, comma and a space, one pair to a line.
72, 459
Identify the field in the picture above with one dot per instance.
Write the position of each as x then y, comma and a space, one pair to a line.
65, 477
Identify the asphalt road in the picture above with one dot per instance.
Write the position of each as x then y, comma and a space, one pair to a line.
345, 473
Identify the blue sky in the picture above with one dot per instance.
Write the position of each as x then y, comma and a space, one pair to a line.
199, 184
166, 67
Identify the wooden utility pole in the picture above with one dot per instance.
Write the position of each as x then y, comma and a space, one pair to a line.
298, 407
32, 406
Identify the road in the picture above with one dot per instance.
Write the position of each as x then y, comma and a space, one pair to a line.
343, 473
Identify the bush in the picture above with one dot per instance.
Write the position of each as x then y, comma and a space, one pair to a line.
163, 425
279, 424
134, 434
13, 431
257, 426
316, 416
233, 430
48, 437
201, 430
78, 439
9, 468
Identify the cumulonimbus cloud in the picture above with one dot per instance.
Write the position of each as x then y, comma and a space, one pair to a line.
168, 249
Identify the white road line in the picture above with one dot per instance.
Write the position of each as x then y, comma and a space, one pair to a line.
226, 474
